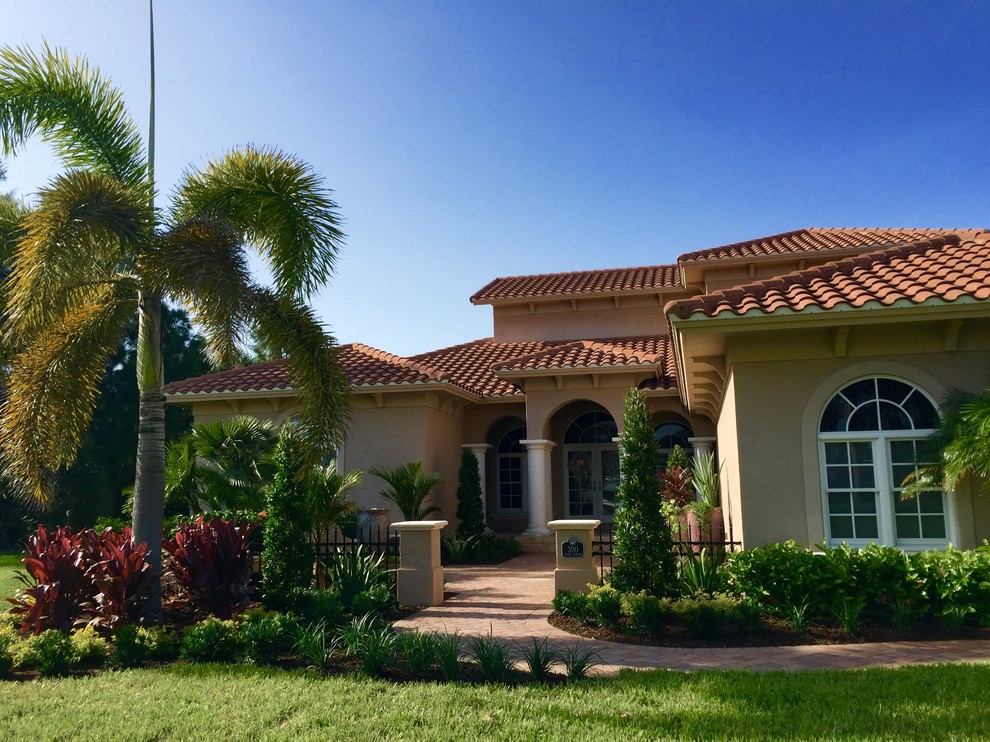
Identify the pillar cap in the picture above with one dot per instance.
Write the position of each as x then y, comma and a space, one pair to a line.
477, 446
418, 525
573, 525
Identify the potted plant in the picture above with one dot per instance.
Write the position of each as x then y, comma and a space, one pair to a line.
676, 491
705, 521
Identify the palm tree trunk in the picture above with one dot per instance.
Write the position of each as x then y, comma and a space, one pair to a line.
149, 484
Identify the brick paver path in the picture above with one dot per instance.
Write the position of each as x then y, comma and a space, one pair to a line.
512, 600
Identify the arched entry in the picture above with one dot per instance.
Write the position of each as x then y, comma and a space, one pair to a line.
591, 466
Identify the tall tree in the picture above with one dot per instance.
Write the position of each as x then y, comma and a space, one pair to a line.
96, 251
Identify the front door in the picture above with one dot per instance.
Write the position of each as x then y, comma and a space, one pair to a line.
591, 478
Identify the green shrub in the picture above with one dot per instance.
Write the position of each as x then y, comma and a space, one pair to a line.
575, 605
288, 557
643, 544
578, 660
644, 612
605, 606
701, 573
317, 606
50, 653
89, 648
265, 636
7, 639
372, 642
470, 506
211, 640
706, 616
377, 600
797, 613
352, 572
848, 614
419, 650
130, 647
493, 658
316, 645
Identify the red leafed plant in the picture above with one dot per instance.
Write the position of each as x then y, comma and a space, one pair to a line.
675, 484
211, 559
60, 590
121, 575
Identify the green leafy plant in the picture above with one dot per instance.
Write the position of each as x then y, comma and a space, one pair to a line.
409, 487
265, 636
644, 612
903, 613
130, 649
372, 642
470, 507
351, 572
575, 605
419, 650
494, 658
317, 645
953, 617
796, 613
211, 640
317, 606
605, 606
700, 572
643, 544
849, 613
457, 548
89, 648
449, 649
377, 600
539, 658
51, 653
578, 660
705, 481
6, 658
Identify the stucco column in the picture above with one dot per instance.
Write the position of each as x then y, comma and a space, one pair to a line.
538, 466
575, 564
419, 580
702, 445
479, 450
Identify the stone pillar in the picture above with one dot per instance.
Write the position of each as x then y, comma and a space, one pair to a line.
702, 445
420, 576
575, 564
479, 450
538, 465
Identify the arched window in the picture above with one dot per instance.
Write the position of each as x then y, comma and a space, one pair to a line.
869, 437
670, 434
510, 458
592, 427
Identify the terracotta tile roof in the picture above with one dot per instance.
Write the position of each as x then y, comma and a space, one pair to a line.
468, 366
603, 353
810, 240
266, 376
606, 281
944, 268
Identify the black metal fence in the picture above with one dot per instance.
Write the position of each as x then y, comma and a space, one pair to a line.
688, 539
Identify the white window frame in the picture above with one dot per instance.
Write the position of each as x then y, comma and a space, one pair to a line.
521, 455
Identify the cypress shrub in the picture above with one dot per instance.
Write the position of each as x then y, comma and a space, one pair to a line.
288, 556
470, 508
643, 544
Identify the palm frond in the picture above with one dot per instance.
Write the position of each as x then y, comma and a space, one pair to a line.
311, 355
203, 266
409, 487
74, 243
279, 205
12, 215
71, 106
326, 494
52, 391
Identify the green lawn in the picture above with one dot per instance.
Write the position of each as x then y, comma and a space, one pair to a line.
10, 563
239, 702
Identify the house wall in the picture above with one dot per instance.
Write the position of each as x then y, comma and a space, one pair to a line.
779, 383
582, 320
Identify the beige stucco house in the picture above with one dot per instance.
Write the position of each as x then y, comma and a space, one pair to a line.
812, 361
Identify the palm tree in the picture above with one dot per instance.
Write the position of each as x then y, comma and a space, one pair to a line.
409, 487
94, 250
326, 494
958, 447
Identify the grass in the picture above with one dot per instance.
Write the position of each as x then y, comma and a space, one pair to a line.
10, 564
240, 702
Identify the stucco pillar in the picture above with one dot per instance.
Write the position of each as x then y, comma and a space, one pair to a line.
538, 466
575, 564
702, 445
419, 580
480, 450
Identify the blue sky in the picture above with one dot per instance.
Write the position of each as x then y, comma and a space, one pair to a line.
468, 140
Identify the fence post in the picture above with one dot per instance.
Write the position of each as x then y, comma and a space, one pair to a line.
420, 577
573, 541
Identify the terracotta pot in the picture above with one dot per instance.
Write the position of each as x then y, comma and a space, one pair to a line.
711, 536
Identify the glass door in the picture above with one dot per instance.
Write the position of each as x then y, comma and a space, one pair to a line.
580, 479
591, 479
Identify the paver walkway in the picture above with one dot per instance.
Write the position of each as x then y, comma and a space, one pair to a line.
512, 600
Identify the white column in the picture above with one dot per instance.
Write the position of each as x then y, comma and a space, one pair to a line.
702, 445
479, 450
538, 465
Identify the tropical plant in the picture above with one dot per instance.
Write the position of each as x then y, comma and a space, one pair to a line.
457, 548
326, 489
958, 447
539, 658
211, 640
493, 657
419, 650
705, 481
409, 488
373, 643
212, 561
643, 544
675, 479
448, 649
96, 247
264, 636
317, 645
700, 572
578, 660
470, 506
121, 574
349, 573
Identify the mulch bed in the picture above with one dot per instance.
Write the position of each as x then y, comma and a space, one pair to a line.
773, 633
